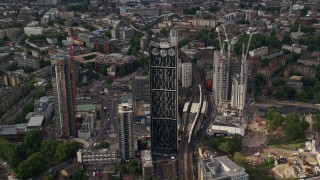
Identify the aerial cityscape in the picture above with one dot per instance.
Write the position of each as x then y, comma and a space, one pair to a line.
159, 90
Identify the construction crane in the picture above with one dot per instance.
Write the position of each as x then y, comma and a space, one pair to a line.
219, 37
248, 46
228, 41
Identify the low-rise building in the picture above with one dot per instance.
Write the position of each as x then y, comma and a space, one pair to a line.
15, 132
146, 162
203, 22
102, 156
262, 51
218, 168
33, 30
28, 61
11, 33
303, 70
294, 48
36, 122
227, 125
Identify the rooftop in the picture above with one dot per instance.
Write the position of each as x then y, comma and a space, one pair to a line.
36, 121
86, 107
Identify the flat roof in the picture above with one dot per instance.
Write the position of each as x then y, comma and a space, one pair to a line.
35, 121
86, 107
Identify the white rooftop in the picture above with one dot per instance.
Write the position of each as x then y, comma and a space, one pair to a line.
36, 121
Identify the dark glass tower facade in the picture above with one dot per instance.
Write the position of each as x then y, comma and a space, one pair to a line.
164, 96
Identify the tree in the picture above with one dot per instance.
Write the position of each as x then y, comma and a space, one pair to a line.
238, 158
48, 149
102, 145
150, 32
214, 9
50, 23
285, 92
66, 150
274, 119
305, 10
108, 33
33, 141
39, 94
224, 147
33, 165
122, 72
302, 96
184, 41
294, 128
286, 39
49, 176
316, 97
122, 169
109, 80
79, 174
29, 107
103, 70
260, 81
133, 167
8, 152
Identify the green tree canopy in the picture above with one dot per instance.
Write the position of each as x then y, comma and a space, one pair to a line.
33, 165
274, 119
48, 149
294, 128
67, 150
238, 158
79, 174
33, 141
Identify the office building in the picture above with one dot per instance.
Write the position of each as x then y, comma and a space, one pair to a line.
164, 95
219, 168
141, 88
104, 45
221, 73
64, 91
125, 123
102, 156
186, 74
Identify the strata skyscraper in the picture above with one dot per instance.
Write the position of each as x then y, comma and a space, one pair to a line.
64, 92
164, 95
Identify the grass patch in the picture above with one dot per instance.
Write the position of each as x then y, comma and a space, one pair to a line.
286, 144
258, 171
92, 56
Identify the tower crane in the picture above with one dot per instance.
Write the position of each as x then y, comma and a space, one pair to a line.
228, 41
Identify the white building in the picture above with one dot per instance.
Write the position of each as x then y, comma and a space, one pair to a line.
33, 30
186, 74
294, 48
210, 168
103, 156
262, 51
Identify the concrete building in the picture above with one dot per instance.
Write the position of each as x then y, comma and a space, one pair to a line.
44, 106
164, 95
87, 39
294, 48
146, 163
228, 125
64, 92
104, 45
141, 85
36, 122
125, 123
15, 132
122, 33
27, 61
33, 30
203, 22
259, 52
11, 33
220, 168
221, 66
145, 11
103, 156
186, 74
